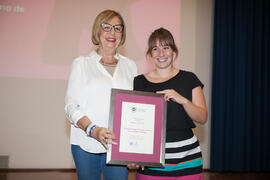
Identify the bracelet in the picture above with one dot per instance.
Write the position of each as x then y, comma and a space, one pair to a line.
90, 128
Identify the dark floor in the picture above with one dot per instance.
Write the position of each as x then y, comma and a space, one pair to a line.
71, 175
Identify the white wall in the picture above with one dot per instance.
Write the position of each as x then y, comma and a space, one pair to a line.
196, 55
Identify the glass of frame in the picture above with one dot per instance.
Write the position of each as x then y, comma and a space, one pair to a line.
138, 120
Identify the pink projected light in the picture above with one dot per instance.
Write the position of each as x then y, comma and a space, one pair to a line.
22, 34
28, 49
146, 16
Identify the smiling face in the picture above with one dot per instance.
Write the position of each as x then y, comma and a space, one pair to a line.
110, 39
161, 48
162, 54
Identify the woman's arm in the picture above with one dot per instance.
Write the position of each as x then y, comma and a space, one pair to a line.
101, 134
73, 109
196, 109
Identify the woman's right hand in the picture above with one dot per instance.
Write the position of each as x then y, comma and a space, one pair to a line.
134, 166
104, 136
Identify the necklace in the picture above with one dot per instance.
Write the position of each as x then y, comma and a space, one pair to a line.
108, 64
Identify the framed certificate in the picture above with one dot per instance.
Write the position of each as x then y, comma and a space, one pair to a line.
138, 120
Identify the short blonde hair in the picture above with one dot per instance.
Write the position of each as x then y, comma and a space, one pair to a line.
105, 17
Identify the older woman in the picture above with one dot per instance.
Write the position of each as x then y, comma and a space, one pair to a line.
88, 97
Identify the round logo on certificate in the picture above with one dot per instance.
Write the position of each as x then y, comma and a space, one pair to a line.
133, 109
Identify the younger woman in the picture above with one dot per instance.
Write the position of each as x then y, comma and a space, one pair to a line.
186, 104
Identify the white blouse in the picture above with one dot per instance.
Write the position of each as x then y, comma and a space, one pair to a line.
88, 94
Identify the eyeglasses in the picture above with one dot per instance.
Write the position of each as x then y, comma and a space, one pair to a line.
108, 27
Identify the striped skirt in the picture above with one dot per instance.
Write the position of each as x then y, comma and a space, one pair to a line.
183, 157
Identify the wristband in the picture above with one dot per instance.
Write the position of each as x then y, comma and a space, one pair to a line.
90, 128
